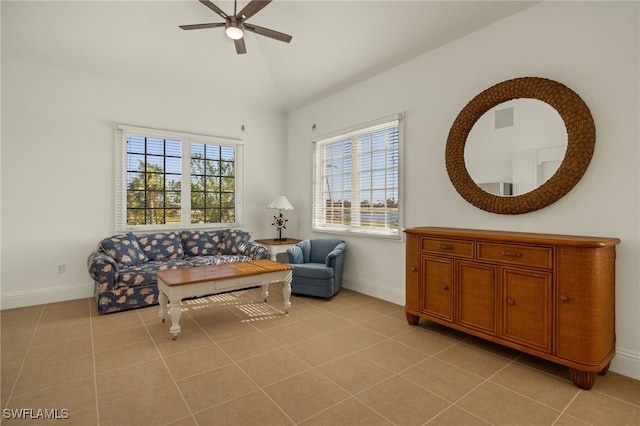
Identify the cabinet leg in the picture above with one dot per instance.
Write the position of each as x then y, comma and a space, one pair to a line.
604, 370
412, 319
583, 379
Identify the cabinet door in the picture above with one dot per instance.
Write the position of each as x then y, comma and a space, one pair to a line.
412, 273
437, 279
526, 307
476, 296
585, 304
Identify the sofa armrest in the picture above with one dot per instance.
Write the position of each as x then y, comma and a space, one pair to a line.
257, 251
103, 269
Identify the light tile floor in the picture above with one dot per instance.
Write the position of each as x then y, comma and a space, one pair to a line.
238, 361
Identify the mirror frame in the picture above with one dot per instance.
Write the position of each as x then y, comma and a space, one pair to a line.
581, 139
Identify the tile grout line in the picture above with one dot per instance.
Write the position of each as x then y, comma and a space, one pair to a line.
164, 362
233, 361
261, 388
564, 410
95, 373
283, 347
15, 383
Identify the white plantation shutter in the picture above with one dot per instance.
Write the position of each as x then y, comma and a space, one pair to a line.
357, 180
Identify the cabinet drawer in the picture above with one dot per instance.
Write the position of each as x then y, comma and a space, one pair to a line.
537, 257
458, 248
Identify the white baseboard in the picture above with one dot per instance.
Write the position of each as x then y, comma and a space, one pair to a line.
625, 362
374, 289
19, 299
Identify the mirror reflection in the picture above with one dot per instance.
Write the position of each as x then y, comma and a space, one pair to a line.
515, 147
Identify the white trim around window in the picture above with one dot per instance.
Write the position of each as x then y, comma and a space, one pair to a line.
357, 180
182, 146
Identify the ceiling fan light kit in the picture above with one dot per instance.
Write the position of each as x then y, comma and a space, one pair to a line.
235, 24
234, 31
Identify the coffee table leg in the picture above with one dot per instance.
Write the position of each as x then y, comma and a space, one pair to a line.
265, 291
162, 300
175, 311
286, 292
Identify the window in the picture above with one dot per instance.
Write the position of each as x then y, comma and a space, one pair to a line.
168, 180
357, 181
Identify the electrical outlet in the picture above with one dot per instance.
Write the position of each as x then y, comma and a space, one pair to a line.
60, 268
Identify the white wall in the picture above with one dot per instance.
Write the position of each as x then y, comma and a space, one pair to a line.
592, 47
58, 167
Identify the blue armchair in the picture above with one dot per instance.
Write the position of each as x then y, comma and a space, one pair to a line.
317, 266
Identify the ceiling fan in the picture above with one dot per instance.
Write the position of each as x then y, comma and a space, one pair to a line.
236, 24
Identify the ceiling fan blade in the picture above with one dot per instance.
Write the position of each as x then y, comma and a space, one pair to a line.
215, 8
240, 46
253, 7
202, 26
268, 33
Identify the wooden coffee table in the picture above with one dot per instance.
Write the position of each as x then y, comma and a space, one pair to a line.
178, 284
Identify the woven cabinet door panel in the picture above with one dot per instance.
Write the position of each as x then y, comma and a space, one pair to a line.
526, 307
437, 286
585, 301
412, 273
476, 298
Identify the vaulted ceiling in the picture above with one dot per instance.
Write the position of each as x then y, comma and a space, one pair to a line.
335, 43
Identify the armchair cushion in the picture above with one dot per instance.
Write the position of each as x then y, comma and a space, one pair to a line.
320, 248
317, 271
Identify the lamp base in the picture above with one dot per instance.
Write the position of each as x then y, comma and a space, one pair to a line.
279, 222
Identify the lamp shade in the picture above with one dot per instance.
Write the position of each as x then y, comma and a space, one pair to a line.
280, 203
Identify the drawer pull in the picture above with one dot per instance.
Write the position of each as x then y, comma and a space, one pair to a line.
445, 287
512, 254
414, 269
564, 298
510, 302
446, 247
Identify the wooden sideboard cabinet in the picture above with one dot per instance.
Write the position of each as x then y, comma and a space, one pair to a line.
551, 296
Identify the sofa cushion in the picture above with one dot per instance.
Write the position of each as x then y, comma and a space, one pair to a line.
162, 245
145, 273
124, 249
235, 241
202, 243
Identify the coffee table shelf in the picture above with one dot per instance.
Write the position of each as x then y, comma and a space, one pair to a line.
177, 284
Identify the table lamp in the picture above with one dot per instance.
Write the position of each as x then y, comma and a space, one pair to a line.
280, 203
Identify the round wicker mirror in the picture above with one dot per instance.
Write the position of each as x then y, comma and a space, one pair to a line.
581, 138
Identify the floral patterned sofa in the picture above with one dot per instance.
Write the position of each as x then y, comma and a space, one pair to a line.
124, 266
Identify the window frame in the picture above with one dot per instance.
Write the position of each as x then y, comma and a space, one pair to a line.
186, 139
319, 210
